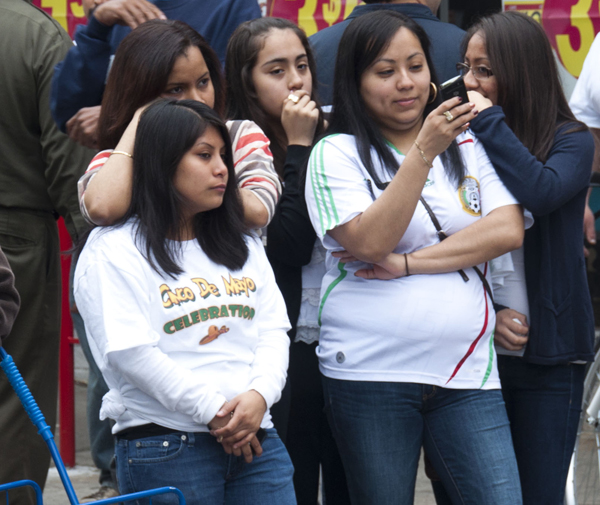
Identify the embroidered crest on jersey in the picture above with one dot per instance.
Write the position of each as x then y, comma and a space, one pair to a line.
468, 194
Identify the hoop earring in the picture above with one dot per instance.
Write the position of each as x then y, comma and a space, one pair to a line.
435, 91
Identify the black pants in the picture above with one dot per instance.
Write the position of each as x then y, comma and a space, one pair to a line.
309, 439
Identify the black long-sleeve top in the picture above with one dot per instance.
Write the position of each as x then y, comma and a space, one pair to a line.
290, 235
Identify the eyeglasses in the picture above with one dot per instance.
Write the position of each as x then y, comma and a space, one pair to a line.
480, 72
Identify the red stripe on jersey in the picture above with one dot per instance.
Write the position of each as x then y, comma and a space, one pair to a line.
476, 341
466, 142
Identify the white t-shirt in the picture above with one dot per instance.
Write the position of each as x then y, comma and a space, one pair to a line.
510, 288
429, 329
585, 100
215, 333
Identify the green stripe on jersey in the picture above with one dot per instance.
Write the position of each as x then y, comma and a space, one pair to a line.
490, 361
395, 148
339, 278
328, 216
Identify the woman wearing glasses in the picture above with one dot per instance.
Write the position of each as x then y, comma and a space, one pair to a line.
544, 324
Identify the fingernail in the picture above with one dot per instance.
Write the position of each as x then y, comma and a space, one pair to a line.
476, 112
460, 98
471, 104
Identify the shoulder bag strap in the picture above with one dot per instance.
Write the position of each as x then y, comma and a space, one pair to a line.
442, 235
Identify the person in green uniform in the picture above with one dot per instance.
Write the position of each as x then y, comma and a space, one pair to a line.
39, 169
9, 298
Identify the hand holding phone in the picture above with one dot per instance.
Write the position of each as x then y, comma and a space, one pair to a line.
454, 87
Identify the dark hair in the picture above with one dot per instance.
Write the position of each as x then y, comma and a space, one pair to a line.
529, 89
366, 38
141, 69
167, 130
242, 53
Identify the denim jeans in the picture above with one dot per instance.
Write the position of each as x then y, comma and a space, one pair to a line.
543, 404
199, 467
380, 429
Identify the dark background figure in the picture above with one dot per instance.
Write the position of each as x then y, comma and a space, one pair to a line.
39, 169
445, 40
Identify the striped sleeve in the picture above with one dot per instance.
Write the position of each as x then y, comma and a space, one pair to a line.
336, 188
254, 165
95, 165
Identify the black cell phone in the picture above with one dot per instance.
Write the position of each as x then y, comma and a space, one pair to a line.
454, 87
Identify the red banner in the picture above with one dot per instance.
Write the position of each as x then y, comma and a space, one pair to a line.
312, 15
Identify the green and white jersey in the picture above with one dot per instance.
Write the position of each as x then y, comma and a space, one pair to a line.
430, 329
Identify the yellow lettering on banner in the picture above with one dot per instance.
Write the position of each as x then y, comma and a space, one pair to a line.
77, 10
306, 17
58, 11
573, 60
350, 4
331, 11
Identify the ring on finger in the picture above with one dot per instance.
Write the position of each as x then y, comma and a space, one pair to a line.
220, 438
293, 98
449, 116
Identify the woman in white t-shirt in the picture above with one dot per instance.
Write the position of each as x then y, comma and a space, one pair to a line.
406, 343
185, 320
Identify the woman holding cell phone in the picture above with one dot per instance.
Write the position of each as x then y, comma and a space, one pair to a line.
410, 211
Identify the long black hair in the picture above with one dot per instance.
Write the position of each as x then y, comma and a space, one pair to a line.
529, 89
167, 130
242, 101
366, 38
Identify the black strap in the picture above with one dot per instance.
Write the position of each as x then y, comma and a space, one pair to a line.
442, 236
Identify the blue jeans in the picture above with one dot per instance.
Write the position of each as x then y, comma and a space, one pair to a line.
380, 428
543, 404
199, 467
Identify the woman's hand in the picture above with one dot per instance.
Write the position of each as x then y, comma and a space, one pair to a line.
443, 125
481, 102
130, 13
392, 267
108, 194
248, 411
299, 119
510, 334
